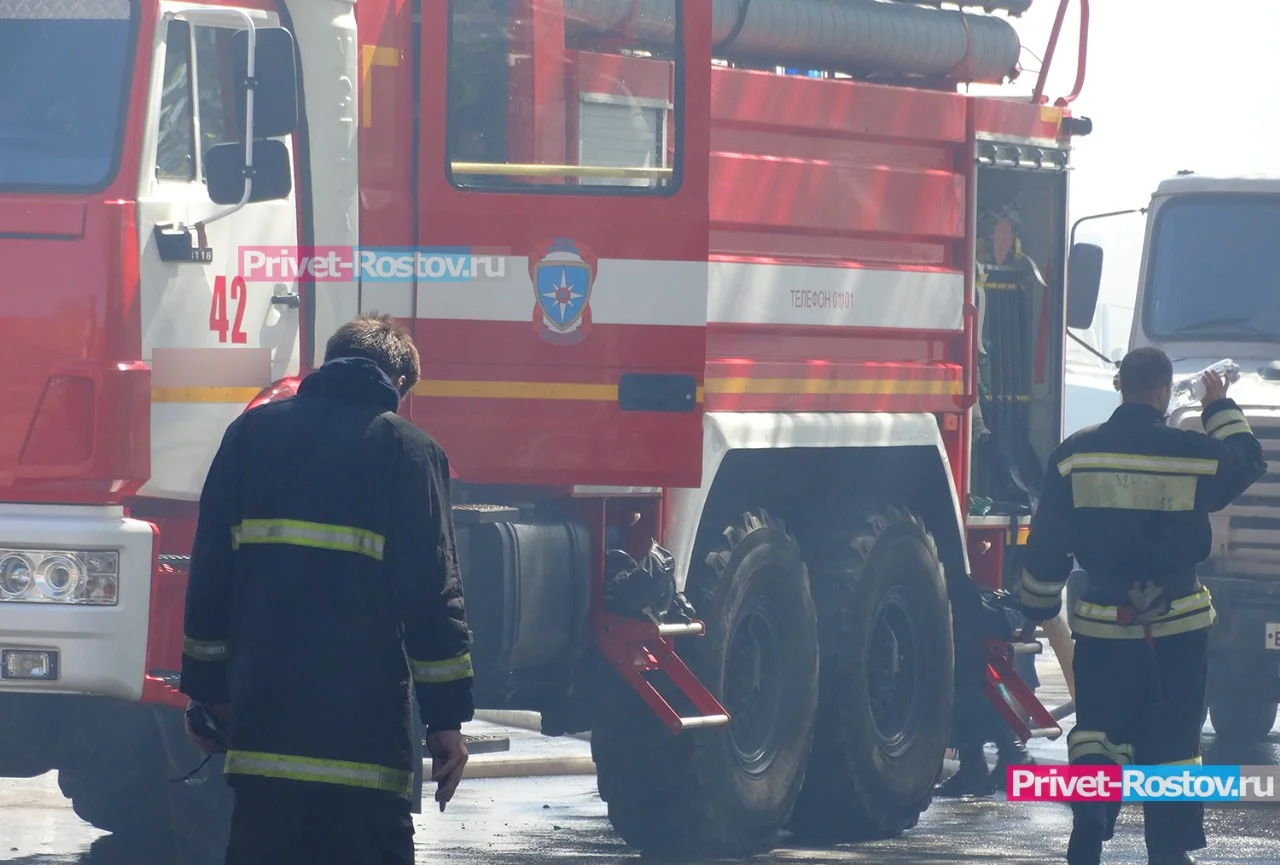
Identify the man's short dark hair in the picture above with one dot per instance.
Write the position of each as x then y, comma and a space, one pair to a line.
1143, 372
378, 338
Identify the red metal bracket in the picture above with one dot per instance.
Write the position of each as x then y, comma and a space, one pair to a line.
637, 647
1038, 96
1005, 688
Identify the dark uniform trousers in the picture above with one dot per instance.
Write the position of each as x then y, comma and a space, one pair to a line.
279, 822
1136, 709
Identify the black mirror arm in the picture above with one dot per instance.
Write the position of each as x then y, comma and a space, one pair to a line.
1092, 350
1094, 216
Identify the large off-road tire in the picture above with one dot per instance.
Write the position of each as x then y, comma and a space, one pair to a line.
1242, 715
116, 781
122, 783
887, 678
722, 791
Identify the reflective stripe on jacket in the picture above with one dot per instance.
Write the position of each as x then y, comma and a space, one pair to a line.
1130, 500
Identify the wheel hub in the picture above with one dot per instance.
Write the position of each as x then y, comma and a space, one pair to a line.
893, 674
753, 693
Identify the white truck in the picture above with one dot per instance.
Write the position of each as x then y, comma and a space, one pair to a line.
1209, 289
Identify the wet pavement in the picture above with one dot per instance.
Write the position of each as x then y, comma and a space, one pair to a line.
541, 819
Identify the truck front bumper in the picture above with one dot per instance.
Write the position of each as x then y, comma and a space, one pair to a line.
95, 650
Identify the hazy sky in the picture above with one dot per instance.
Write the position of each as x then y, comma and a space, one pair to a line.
1171, 85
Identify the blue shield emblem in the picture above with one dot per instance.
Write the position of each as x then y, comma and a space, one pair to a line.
563, 289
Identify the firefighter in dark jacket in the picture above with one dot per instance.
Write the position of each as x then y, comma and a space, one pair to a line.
1130, 499
323, 581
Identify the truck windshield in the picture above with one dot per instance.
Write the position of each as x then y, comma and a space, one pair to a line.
1213, 271
64, 68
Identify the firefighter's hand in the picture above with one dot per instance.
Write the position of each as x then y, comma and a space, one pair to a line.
1215, 388
220, 713
448, 758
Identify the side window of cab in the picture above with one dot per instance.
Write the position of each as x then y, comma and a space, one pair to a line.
197, 105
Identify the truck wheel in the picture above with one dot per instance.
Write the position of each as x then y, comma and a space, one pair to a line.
887, 678
1240, 715
116, 784
725, 791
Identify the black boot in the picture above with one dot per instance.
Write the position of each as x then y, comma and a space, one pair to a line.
1088, 829
1013, 752
972, 779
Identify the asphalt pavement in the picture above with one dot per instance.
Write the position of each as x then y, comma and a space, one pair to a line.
541, 817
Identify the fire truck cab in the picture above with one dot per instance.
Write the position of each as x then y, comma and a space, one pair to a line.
741, 326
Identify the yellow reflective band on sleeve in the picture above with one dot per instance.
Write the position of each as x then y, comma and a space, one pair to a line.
324, 536
436, 672
1130, 491
204, 650
1091, 743
1194, 761
1186, 614
369, 776
1226, 423
1137, 462
1039, 595
1231, 429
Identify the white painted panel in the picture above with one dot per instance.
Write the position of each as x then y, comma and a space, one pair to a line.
671, 293
749, 293
728, 431
185, 436
624, 292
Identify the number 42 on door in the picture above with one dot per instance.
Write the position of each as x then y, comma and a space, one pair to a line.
219, 321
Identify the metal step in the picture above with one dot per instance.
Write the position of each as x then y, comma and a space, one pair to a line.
635, 648
704, 721
486, 744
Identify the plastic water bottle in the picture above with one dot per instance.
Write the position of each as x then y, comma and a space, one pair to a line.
1189, 390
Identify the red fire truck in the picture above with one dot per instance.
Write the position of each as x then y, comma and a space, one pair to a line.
742, 367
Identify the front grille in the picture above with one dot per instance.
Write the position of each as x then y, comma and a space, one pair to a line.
1246, 535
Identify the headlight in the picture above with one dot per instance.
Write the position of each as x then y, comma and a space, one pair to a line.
90, 577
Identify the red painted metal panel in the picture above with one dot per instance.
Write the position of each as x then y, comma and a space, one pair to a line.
798, 195
832, 170
835, 107
1006, 118
512, 352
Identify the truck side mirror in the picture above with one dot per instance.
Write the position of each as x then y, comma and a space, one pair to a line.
225, 175
1084, 282
275, 68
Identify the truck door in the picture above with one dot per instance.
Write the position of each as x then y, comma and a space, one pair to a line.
219, 322
571, 165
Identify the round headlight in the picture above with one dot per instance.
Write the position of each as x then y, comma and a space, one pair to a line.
58, 576
15, 576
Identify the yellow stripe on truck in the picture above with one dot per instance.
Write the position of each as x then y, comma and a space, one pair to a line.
239, 395
574, 391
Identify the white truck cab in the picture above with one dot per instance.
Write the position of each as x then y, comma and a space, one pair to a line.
1209, 289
